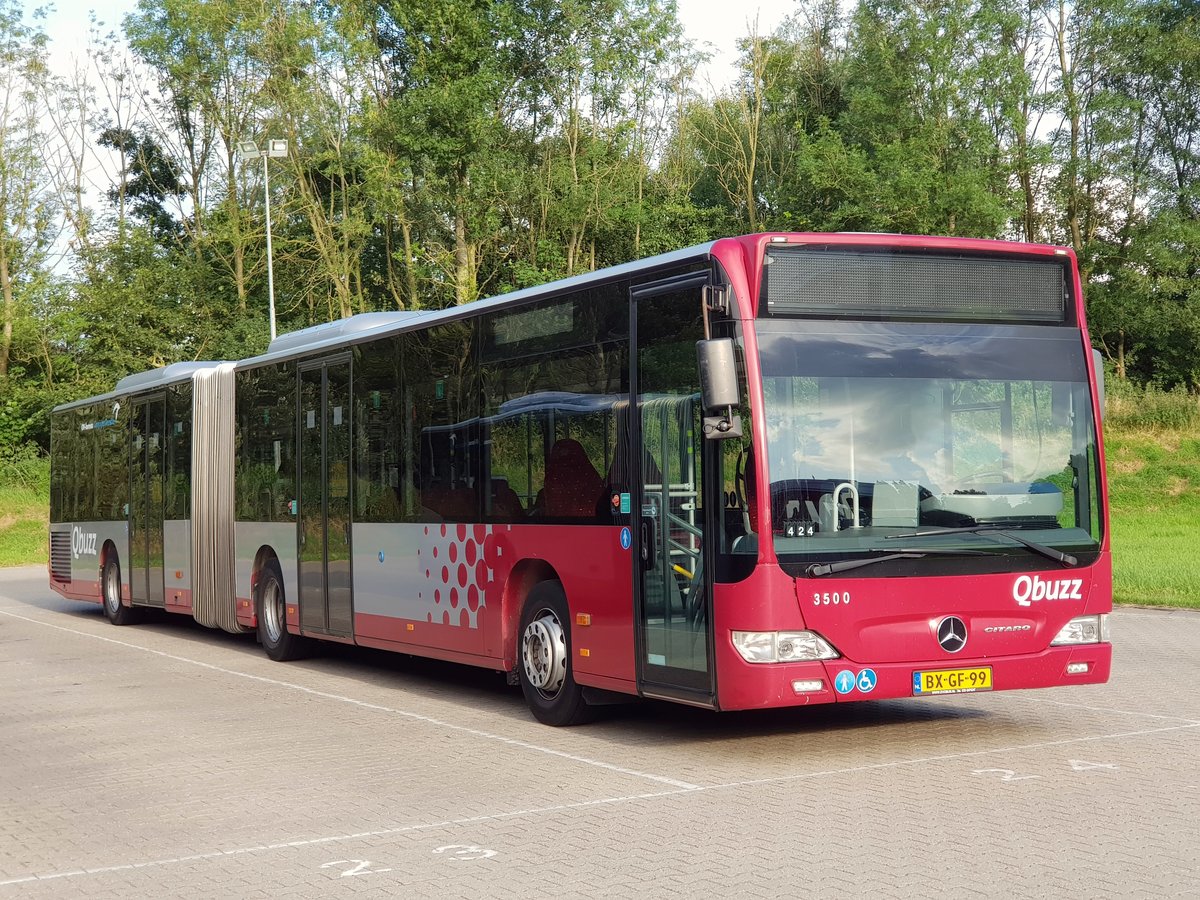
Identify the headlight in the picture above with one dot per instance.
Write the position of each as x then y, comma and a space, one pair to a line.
782, 646
1083, 630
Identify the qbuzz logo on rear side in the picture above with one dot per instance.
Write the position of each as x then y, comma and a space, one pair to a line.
83, 543
1029, 589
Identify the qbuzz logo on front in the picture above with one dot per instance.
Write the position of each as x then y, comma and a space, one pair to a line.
1030, 589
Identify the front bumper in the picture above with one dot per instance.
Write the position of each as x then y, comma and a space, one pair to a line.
743, 685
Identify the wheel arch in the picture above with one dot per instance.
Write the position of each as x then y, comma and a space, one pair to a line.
525, 575
263, 557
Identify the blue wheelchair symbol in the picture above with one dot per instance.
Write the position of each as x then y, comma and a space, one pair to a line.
867, 679
844, 682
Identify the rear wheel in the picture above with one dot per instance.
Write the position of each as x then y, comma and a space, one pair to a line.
279, 643
110, 587
544, 659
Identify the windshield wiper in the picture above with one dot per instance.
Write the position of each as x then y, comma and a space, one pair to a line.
990, 528
816, 570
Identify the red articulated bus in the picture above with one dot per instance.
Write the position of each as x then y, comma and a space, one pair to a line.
766, 471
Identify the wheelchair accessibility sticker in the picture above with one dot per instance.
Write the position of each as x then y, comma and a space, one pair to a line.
846, 681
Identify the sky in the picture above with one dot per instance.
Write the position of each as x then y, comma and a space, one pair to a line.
709, 23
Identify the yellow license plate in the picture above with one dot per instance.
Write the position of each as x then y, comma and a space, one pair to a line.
952, 681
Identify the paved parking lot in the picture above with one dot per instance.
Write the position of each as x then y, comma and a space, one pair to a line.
168, 760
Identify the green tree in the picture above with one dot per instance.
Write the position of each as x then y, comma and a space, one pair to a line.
28, 206
916, 104
206, 62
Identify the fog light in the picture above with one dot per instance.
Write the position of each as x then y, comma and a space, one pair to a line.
1078, 668
810, 686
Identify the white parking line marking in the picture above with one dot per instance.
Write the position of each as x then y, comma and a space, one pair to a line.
417, 717
1105, 709
966, 754
583, 804
311, 842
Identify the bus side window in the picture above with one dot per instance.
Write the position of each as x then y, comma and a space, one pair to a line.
441, 378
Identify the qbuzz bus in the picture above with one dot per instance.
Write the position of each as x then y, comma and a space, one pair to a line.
766, 471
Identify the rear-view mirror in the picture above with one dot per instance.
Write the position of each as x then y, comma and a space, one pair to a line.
719, 387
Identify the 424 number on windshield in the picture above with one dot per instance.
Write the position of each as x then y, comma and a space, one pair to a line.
831, 598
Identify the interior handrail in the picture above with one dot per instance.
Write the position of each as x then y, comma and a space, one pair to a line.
837, 499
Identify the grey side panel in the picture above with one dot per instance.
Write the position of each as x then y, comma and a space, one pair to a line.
404, 571
213, 597
280, 537
86, 541
177, 557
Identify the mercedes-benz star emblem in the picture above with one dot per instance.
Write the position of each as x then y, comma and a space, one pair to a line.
952, 634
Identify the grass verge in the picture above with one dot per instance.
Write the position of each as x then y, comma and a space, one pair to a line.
24, 503
1154, 485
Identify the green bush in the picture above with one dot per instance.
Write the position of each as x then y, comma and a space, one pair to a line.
25, 466
1129, 407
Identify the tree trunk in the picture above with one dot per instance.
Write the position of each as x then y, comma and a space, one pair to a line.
10, 312
410, 268
1025, 177
1071, 102
461, 295
239, 239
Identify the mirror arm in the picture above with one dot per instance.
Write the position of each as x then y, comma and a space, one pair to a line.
714, 299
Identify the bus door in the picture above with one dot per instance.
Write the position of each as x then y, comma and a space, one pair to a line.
324, 514
671, 580
147, 455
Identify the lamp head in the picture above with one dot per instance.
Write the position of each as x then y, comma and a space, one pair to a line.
248, 150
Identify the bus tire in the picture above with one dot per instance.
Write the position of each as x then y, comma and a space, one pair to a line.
271, 611
544, 659
110, 591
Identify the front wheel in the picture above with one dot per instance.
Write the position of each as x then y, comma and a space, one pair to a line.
279, 643
544, 659
110, 587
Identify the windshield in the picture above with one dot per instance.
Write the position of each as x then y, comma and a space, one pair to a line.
877, 430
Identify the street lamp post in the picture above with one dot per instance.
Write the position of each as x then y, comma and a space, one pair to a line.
275, 149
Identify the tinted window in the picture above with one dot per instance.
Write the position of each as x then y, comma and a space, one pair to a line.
382, 493
265, 444
553, 398
179, 452
441, 389
58, 459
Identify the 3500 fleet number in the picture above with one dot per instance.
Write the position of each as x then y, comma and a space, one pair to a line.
837, 598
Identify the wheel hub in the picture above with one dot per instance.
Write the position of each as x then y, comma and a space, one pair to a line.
544, 653
272, 608
112, 589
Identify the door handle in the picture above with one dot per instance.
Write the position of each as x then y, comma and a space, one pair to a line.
648, 550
